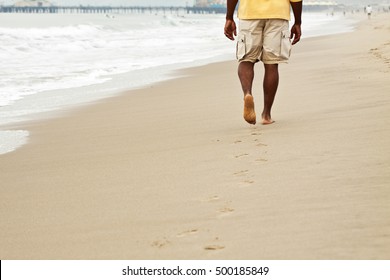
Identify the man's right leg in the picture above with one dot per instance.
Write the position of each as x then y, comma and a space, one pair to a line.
246, 74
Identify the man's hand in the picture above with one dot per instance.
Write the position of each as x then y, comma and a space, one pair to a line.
230, 29
296, 33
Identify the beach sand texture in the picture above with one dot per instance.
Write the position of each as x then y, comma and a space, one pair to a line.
173, 171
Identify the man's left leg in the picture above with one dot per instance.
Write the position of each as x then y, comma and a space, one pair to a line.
270, 86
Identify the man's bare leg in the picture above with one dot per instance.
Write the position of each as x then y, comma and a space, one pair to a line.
270, 86
246, 74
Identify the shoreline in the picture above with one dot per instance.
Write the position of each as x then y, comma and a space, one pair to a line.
61, 104
172, 171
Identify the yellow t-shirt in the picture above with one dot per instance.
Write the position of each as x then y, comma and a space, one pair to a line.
262, 9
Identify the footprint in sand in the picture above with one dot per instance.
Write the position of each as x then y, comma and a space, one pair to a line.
238, 141
214, 247
248, 182
213, 198
187, 233
241, 173
160, 243
225, 211
259, 144
381, 53
241, 155
261, 160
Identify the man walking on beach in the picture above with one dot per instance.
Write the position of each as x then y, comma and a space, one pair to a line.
263, 36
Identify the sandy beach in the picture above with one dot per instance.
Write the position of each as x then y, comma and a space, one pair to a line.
172, 171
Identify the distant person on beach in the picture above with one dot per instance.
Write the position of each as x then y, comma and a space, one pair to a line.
369, 11
263, 36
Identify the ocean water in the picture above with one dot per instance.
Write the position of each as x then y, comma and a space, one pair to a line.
52, 61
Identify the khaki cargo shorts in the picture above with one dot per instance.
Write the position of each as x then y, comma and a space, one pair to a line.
267, 40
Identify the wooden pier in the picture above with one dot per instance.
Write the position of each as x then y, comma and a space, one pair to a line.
111, 10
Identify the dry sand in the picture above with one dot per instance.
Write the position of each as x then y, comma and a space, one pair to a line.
174, 172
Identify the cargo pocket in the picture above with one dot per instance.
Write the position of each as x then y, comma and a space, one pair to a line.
241, 46
285, 47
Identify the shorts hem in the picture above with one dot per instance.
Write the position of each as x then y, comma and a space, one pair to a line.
275, 62
248, 60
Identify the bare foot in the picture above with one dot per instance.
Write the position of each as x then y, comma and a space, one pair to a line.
267, 121
249, 109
